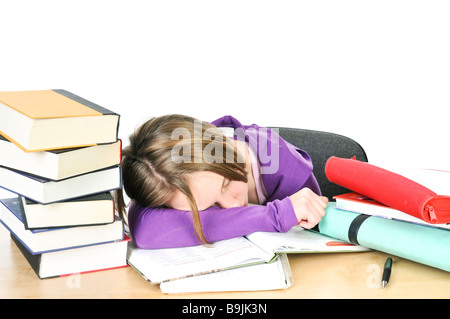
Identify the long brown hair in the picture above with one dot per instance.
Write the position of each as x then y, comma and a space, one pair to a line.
151, 173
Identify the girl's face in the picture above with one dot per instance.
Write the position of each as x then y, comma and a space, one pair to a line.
211, 189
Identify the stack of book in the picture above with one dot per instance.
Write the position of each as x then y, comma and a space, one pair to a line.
398, 214
60, 154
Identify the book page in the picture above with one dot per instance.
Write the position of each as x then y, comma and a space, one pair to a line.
166, 264
266, 276
299, 240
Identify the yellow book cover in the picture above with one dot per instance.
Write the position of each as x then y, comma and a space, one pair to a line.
53, 119
45, 104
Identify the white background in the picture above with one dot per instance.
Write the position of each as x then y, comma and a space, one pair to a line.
376, 71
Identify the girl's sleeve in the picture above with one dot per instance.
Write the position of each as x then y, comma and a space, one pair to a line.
153, 228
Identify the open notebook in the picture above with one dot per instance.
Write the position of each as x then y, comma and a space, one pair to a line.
163, 265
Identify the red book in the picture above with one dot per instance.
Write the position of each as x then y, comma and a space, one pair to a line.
358, 203
390, 189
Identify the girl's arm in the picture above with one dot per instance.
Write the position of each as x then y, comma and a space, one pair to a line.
165, 227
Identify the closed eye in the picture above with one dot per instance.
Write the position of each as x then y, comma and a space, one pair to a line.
226, 182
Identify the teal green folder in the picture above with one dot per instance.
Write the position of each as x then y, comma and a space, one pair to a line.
422, 244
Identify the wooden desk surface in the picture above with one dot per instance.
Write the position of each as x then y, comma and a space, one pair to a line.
345, 275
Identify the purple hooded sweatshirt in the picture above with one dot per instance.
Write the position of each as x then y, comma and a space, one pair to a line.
284, 170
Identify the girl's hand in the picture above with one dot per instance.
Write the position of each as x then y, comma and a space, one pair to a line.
308, 207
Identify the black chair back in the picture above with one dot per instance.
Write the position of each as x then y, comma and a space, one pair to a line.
321, 146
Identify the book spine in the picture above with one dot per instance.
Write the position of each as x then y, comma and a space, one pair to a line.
89, 104
85, 102
33, 260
